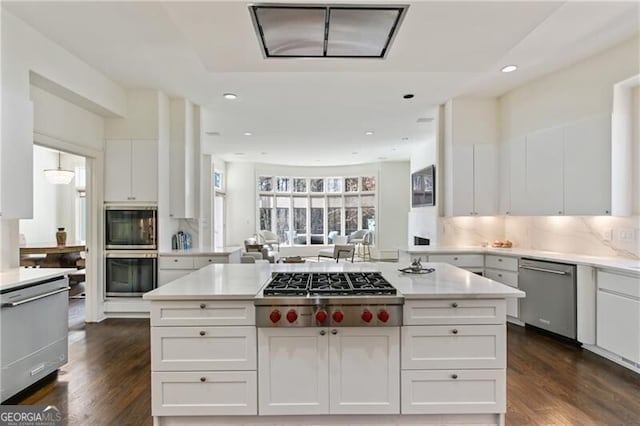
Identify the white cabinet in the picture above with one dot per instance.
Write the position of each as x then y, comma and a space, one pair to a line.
203, 358
364, 370
171, 268
459, 260
504, 269
474, 180
345, 370
293, 371
517, 176
618, 315
131, 171
453, 357
544, 174
587, 167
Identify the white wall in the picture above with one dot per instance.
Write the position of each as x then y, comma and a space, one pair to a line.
393, 208
142, 120
241, 202
635, 141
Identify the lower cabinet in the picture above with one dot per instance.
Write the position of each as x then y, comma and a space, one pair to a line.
348, 370
504, 270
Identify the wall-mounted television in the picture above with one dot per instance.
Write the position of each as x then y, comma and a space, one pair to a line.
423, 187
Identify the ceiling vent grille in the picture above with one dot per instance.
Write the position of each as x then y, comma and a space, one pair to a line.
327, 31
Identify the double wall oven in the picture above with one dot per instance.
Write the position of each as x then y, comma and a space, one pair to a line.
131, 257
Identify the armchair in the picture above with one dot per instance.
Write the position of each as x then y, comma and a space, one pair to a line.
337, 252
270, 238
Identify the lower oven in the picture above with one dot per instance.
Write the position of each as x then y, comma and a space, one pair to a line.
130, 274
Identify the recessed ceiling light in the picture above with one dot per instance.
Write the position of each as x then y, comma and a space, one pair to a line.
248, 134
230, 96
408, 96
368, 133
509, 68
424, 120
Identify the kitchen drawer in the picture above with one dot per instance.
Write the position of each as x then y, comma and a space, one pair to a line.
433, 347
453, 391
201, 262
617, 283
203, 348
175, 262
204, 393
452, 311
501, 262
206, 312
462, 260
504, 277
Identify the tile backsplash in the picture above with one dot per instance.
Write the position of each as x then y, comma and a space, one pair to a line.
589, 235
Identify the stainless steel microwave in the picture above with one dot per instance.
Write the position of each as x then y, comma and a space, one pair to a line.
131, 227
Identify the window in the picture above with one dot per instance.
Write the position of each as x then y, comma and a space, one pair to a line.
304, 211
217, 180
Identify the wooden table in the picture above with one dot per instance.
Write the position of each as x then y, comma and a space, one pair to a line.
56, 256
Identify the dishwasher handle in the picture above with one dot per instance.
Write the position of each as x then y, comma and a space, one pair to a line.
551, 271
34, 298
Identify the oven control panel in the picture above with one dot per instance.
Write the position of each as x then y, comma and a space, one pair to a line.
329, 316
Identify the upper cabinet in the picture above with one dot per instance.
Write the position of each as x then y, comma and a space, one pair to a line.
564, 170
471, 158
131, 171
182, 160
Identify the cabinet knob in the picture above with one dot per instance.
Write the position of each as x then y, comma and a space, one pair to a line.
500, 275
454, 331
202, 306
454, 376
455, 258
606, 211
202, 333
334, 331
560, 212
454, 305
499, 260
323, 332
175, 260
507, 212
203, 379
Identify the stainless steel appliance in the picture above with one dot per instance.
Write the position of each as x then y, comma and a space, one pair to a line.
34, 330
130, 227
130, 273
551, 296
352, 299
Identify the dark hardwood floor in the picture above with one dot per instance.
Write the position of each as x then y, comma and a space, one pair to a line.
107, 380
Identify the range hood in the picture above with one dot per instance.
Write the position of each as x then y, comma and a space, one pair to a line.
326, 31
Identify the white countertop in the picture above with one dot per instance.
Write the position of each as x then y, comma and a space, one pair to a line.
620, 263
206, 251
244, 281
22, 276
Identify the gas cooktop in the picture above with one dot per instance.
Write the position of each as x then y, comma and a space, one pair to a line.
345, 284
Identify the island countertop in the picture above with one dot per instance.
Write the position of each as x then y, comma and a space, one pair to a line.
244, 281
19, 277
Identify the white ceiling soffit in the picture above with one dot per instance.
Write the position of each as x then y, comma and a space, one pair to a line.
329, 31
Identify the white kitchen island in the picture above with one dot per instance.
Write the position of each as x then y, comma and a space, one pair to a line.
446, 364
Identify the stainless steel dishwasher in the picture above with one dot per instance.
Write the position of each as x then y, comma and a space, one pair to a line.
551, 296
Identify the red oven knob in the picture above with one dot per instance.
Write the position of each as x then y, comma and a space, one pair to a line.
338, 316
321, 316
383, 315
367, 316
292, 316
275, 316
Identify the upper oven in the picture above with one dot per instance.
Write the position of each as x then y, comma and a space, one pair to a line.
131, 227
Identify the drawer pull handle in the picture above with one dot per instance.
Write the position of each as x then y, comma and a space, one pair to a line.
323, 332
202, 306
454, 331
500, 275
454, 376
175, 260
203, 379
202, 333
454, 305
334, 331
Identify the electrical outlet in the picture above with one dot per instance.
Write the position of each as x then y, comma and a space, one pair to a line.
607, 234
626, 234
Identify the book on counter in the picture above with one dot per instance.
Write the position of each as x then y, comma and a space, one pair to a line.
181, 241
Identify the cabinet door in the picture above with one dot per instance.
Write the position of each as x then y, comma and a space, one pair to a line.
545, 183
364, 370
144, 170
293, 371
587, 167
504, 179
117, 170
462, 181
618, 325
518, 203
485, 179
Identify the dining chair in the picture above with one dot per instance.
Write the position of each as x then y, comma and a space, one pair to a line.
337, 252
270, 238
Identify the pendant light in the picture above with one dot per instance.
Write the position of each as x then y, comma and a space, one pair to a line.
58, 176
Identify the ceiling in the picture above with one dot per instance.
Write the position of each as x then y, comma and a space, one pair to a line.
316, 111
